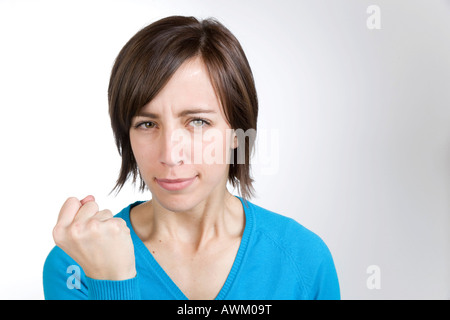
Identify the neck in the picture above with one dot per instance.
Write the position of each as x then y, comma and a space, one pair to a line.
218, 216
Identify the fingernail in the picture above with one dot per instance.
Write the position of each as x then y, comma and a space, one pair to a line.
87, 199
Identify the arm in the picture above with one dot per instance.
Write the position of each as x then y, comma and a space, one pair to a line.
64, 279
326, 286
94, 256
315, 264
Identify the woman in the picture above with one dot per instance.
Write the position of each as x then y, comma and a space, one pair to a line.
179, 93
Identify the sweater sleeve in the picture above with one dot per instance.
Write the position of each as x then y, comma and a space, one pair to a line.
64, 279
326, 284
314, 263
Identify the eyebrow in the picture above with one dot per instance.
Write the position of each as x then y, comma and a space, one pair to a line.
180, 114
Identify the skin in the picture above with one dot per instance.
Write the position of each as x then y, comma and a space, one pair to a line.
193, 233
100, 244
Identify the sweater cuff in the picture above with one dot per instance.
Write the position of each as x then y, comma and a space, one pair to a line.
113, 289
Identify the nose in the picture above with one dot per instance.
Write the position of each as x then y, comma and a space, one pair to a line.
173, 150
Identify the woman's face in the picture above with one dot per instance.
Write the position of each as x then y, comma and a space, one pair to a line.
181, 140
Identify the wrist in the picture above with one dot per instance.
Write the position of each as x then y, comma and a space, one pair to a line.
113, 290
112, 275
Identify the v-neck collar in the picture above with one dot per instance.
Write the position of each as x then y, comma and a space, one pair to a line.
174, 289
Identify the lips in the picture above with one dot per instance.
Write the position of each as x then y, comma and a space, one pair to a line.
175, 184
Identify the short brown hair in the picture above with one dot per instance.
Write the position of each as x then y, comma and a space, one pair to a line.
148, 60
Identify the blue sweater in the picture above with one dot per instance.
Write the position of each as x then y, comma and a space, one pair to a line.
277, 259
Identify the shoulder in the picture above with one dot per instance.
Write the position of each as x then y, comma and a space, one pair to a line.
125, 212
287, 232
300, 248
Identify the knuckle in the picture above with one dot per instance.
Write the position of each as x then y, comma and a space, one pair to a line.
117, 224
93, 226
70, 203
70, 199
108, 212
92, 205
75, 230
58, 233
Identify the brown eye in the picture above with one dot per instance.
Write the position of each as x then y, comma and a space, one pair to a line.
147, 125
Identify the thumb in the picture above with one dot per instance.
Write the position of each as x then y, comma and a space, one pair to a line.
87, 199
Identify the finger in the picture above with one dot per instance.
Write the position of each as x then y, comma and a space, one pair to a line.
87, 211
103, 215
68, 211
87, 199
119, 223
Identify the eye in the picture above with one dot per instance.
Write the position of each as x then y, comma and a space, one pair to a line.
197, 123
146, 125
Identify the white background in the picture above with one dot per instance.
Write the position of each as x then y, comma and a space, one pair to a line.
363, 119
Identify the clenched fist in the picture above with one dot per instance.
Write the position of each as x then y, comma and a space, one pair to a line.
98, 242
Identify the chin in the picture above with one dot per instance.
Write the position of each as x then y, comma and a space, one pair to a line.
176, 202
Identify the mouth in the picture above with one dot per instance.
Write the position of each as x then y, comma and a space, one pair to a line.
175, 184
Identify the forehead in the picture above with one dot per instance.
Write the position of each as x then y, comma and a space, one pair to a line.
189, 87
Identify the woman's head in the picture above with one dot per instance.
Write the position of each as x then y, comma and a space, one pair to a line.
170, 67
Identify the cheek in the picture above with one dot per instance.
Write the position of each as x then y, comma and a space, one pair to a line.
142, 153
215, 147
